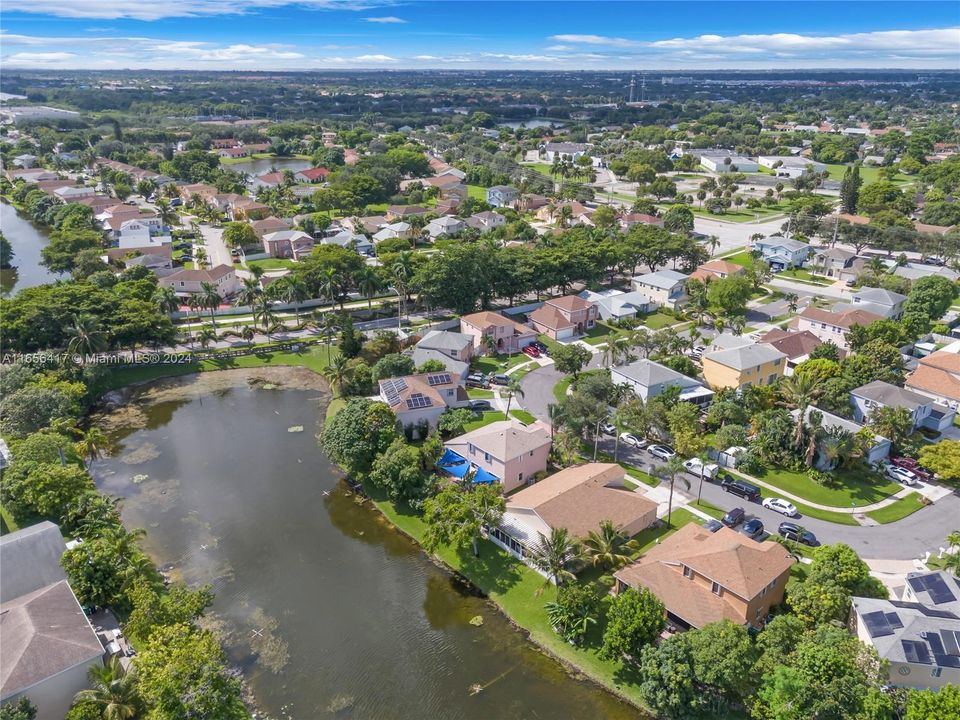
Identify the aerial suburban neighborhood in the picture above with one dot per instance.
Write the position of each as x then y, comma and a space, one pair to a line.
601, 375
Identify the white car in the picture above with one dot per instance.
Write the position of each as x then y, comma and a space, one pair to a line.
608, 429
901, 475
632, 440
695, 466
661, 451
781, 506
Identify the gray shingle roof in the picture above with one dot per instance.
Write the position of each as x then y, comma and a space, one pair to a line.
917, 625
748, 356
421, 355
887, 394
663, 279
30, 559
647, 372
879, 296
445, 340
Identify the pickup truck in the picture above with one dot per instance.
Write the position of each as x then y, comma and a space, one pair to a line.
694, 466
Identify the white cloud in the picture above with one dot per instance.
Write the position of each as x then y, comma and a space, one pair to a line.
31, 59
595, 40
389, 20
157, 9
375, 59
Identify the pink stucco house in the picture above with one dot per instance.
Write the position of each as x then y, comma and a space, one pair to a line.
508, 335
509, 450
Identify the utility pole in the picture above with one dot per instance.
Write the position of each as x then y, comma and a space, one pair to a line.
633, 87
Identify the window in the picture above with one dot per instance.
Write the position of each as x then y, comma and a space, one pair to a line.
687, 572
520, 477
936, 672
716, 588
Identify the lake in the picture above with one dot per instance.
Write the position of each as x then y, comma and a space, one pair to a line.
530, 123
27, 240
329, 610
255, 166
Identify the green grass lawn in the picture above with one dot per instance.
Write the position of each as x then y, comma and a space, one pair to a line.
741, 215
479, 393
743, 259
857, 486
7, 523
490, 416
477, 193
272, 264
552, 345
897, 511
709, 508
523, 416
497, 364
640, 475
601, 333
658, 321
804, 276
560, 389
868, 174
542, 168
335, 406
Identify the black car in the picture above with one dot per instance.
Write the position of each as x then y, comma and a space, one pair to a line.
480, 405
741, 488
543, 349
752, 528
792, 531
712, 525
734, 517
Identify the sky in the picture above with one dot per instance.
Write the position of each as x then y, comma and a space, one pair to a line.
461, 34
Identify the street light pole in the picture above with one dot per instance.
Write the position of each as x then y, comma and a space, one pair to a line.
596, 438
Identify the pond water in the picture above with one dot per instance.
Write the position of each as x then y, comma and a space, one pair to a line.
258, 166
27, 240
330, 612
530, 123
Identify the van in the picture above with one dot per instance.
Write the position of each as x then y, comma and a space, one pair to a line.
741, 488
695, 466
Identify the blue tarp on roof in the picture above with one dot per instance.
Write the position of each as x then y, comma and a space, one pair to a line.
453, 463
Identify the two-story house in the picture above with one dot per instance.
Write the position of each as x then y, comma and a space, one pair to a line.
486, 221
493, 331
878, 394
716, 270
664, 287
703, 577
833, 261
453, 349
565, 151
797, 346
782, 253
833, 326
293, 244
878, 301
649, 379
564, 317
509, 452
740, 367
502, 195
937, 376
444, 227
190, 282
395, 230
417, 399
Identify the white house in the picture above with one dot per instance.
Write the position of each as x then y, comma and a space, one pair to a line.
718, 164
565, 151
878, 301
486, 221
345, 238
833, 326
620, 305
502, 195
782, 253
664, 287
924, 410
73, 193
444, 227
189, 282
145, 232
789, 166
392, 231
649, 379
875, 453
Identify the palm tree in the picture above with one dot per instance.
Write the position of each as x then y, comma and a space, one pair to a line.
328, 326
338, 373
247, 333
86, 337
263, 314
166, 213
513, 388
368, 282
330, 284
402, 275
792, 300
92, 444
610, 547
294, 291
799, 392
952, 559
206, 336
669, 472
555, 412
248, 293
113, 691
555, 554
210, 299
166, 300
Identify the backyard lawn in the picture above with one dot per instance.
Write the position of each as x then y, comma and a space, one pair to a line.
657, 321
490, 416
477, 192
601, 333
272, 264
743, 259
853, 486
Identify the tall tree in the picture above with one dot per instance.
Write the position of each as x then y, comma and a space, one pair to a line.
455, 515
555, 554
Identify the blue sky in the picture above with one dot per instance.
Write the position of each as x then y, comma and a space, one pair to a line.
318, 34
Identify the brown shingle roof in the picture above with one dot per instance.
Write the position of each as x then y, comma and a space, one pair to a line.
485, 318
722, 266
935, 381
550, 317
943, 360
792, 344
843, 319
570, 303
580, 498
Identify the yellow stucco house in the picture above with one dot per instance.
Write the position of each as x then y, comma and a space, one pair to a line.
756, 364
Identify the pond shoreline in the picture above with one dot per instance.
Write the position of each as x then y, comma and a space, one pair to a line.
110, 409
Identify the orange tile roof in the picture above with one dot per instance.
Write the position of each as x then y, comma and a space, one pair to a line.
935, 381
840, 319
550, 317
487, 317
571, 303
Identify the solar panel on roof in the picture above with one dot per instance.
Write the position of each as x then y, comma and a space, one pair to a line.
939, 591
418, 401
935, 643
893, 620
951, 642
915, 651
442, 379
877, 624
947, 660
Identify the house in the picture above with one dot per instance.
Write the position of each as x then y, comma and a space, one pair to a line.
782, 253
649, 379
833, 326
293, 244
565, 317
311, 175
579, 214
628, 220
491, 330
73, 193
417, 399
31, 175
740, 367
453, 349
444, 227
938, 377
917, 639
878, 450
737, 163
267, 180
716, 270
924, 410
486, 221
97, 203
25, 161
832, 261
401, 230
48, 644
189, 282
576, 499
797, 346
619, 305
703, 577
790, 167
157, 263
502, 195
565, 151
507, 452
269, 225
405, 212
878, 301
369, 224
347, 239
244, 208
664, 287
914, 271
233, 152
142, 232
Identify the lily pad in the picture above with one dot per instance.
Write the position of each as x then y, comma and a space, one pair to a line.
476, 620
295, 428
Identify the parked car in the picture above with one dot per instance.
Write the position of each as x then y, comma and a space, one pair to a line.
901, 475
792, 531
608, 429
712, 525
500, 379
695, 466
480, 405
476, 381
541, 348
741, 488
531, 351
176, 202
752, 528
908, 463
781, 506
734, 517
662, 452
632, 440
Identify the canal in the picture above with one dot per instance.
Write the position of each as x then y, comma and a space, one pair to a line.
27, 240
330, 612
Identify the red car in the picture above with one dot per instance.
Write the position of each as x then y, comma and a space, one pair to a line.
531, 351
908, 463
